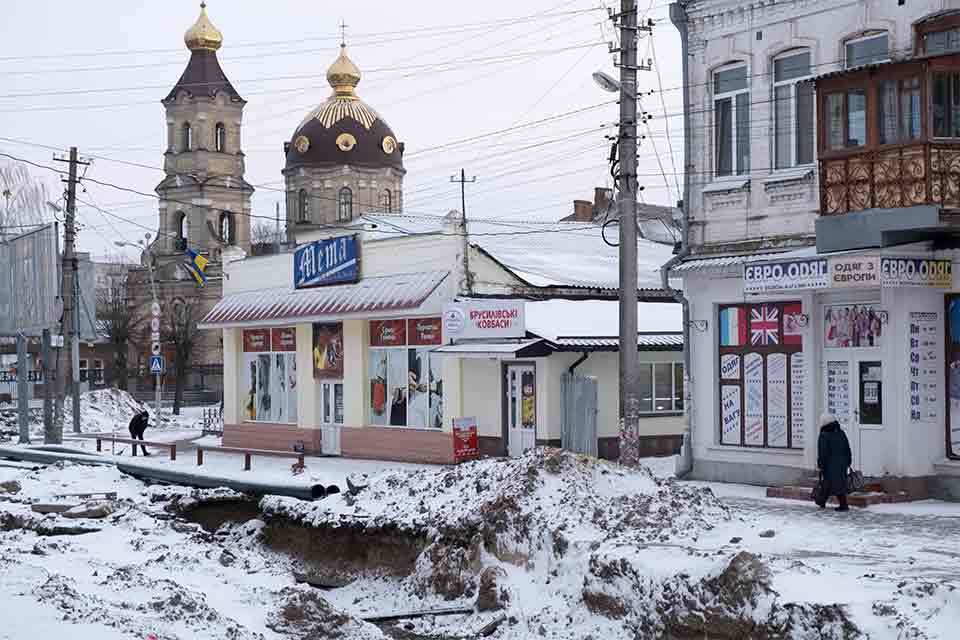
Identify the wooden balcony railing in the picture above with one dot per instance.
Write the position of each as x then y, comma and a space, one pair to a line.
891, 178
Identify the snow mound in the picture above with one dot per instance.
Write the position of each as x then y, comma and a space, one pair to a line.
541, 502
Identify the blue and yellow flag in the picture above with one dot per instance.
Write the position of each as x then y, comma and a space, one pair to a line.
197, 266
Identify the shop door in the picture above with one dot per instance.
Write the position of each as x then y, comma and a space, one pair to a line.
331, 416
521, 402
855, 397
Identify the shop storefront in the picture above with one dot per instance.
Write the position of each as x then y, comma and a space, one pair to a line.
861, 336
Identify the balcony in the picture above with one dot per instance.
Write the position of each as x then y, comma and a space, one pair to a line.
923, 173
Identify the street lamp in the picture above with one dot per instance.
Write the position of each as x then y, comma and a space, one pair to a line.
144, 245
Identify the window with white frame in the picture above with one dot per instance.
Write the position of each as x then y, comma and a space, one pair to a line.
98, 371
406, 378
83, 369
269, 375
731, 108
867, 50
661, 387
793, 109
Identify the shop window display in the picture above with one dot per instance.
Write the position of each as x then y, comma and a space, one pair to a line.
270, 375
406, 383
761, 386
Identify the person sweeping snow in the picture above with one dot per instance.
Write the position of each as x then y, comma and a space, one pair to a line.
833, 459
139, 424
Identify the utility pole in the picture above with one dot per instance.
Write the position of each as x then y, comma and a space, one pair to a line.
627, 183
70, 325
468, 277
276, 236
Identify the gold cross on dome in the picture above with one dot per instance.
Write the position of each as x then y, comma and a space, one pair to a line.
343, 33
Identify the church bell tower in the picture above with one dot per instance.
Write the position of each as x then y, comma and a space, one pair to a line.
204, 199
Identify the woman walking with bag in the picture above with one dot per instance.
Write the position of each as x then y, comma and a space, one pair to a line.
833, 460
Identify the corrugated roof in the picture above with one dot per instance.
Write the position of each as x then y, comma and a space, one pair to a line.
645, 342
271, 306
719, 262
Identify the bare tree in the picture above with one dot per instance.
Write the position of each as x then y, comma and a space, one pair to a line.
118, 317
24, 198
262, 239
180, 330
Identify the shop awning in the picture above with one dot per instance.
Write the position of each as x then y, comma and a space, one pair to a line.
645, 342
282, 305
497, 350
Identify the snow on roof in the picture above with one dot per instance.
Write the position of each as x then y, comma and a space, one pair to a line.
552, 319
549, 254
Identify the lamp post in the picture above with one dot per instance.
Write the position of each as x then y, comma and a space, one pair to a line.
144, 246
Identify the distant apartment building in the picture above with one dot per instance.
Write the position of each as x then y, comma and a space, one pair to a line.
823, 187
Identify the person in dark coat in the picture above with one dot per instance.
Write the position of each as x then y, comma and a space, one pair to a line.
138, 425
833, 460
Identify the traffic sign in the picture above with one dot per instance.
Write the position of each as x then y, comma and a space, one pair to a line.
155, 336
155, 309
157, 365
155, 324
155, 350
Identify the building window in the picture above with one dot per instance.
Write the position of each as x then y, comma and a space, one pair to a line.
867, 50
187, 139
98, 371
345, 205
83, 370
220, 138
761, 386
303, 206
270, 375
183, 229
386, 201
846, 119
793, 110
661, 387
946, 105
226, 228
899, 110
731, 103
406, 378
945, 41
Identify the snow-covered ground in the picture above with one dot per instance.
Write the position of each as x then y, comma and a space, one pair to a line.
576, 548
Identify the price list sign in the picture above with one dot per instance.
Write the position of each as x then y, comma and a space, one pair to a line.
838, 390
924, 385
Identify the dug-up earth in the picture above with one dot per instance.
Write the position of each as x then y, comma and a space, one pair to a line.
550, 545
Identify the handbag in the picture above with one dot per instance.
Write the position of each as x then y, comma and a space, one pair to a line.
818, 493
855, 481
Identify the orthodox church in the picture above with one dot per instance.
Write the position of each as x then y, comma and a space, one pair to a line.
341, 162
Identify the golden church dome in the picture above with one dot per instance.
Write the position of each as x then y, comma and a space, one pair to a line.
343, 75
203, 36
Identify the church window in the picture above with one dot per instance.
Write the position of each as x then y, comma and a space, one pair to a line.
187, 137
226, 228
183, 229
386, 201
303, 206
221, 138
345, 202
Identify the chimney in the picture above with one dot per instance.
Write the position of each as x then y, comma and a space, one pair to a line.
601, 200
582, 210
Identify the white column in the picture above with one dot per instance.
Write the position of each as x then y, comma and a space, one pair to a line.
453, 391
356, 384
232, 355
307, 405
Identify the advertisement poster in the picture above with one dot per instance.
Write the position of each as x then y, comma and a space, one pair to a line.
753, 391
331, 261
528, 400
852, 326
424, 332
484, 319
777, 400
388, 333
731, 413
916, 272
924, 381
256, 340
284, 339
327, 351
466, 443
730, 366
838, 390
798, 401
854, 272
785, 275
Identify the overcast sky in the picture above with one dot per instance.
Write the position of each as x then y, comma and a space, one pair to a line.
435, 73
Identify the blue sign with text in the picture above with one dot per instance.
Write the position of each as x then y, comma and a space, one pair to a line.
333, 261
157, 366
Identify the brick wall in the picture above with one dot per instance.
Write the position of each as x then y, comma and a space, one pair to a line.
392, 443
265, 435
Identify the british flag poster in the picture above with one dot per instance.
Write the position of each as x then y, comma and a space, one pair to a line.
764, 325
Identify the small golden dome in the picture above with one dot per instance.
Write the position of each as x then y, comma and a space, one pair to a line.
343, 75
203, 36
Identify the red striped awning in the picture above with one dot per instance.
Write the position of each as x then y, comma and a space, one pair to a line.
370, 295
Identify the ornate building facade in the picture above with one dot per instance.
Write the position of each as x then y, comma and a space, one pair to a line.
342, 161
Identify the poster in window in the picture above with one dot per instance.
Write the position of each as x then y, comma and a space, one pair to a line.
730, 366
764, 325
753, 391
418, 391
731, 414
733, 327
528, 400
388, 333
250, 386
797, 400
436, 393
924, 361
838, 390
398, 382
424, 332
256, 340
777, 400
327, 351
793, 324
278, 382
853, 326
283, 339
264, 399
379, 401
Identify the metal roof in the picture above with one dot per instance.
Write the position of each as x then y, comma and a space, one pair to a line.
496, 350
645, 342
719, 262
272, 306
